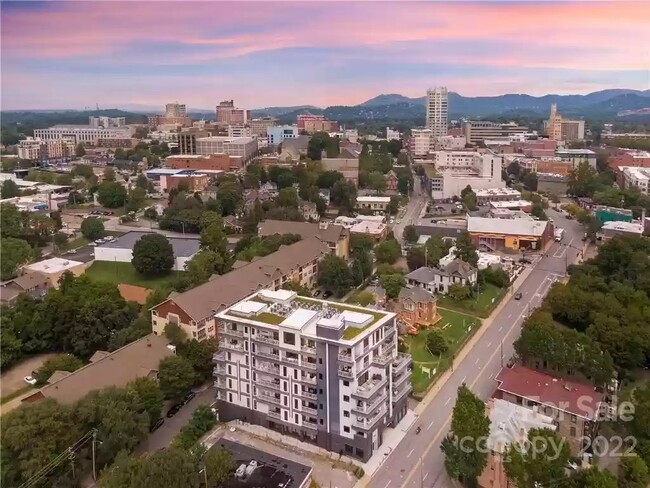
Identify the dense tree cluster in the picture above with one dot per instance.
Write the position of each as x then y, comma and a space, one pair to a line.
153, 255
78, 318
253, 246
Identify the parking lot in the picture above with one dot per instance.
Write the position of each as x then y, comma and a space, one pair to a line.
83, 254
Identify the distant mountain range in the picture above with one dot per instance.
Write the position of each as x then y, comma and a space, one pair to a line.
605, 103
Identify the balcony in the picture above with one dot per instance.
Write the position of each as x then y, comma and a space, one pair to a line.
389, 330
368, 423
308, 365
268, 355
274, 414
309, 410
222, 395
219, 356
399, 380
269, 383
383, 359
311, 380
370, 388
345, 357
265, 398
220, 383
368, 407
310, 425
400, 393
401, 362
266, 339
290, 360
267, 368
219, 370
346, 373
228, 331
306, 394
308, 349
231, 345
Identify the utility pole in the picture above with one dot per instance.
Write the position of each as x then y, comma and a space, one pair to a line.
94, 457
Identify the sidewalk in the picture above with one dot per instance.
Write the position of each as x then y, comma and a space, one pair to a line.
391, 438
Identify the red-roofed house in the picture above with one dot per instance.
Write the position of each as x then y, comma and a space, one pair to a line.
574, 406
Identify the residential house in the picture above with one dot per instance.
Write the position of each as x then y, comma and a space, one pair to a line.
509, 425
391, 180
139, 359
336, 237
194, 310
439, 279
575, 407
34, 284
416, 308
232, 223
308, 211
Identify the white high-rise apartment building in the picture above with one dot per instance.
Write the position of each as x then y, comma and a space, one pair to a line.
175, 110
328, 373
421, 142
437, 110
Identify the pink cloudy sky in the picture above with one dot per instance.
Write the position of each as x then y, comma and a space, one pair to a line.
64, 54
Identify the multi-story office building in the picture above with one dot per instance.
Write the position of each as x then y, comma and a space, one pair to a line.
260, 127
561, 129
228, 114
82, 133
437, 110
481, 130
239, 130
187, 139
106, 122
243, 147
634, 177
454, 170
421, 142
576, 156
311, 123
281, 132
328, 373
392, 134
175, 110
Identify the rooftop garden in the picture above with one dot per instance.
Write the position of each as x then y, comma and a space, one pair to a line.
269, 318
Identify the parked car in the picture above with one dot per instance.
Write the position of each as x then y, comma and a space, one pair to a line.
518, 295
174, 410
188, 398
327, 294
316, 293
157, 425
30, 380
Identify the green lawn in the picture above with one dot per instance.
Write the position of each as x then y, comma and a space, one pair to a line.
481, 305
15, 394
457, 328
74, 244
126, 273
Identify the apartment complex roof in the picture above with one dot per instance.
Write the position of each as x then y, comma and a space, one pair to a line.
135, 360
326, 232
575, 398
225, 290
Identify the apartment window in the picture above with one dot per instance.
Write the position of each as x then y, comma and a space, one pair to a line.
346, 429
295, 403
228, 356
284, 386
230, 397
346, 413
289, 338
320, 360
286, 401
248, 388
359, 452
320, 376
248, 403
321, 421
286, 416
295, 418
284, 371
346, 398
574, 419
320, 391
295, 374
346, 383
245, 330
320, 406
246, 373
229, 371
572, 431
229, 383
348, 449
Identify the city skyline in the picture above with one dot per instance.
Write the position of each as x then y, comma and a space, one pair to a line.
76, 54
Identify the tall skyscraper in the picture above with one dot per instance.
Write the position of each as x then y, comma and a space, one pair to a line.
437, 111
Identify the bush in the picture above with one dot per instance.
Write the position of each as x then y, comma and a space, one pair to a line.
61, 362
436, 342
201, 423
496, 276
92, 228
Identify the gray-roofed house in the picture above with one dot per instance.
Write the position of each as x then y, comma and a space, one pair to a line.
34, 284
335, 236
194, 310
121, 249
439, 279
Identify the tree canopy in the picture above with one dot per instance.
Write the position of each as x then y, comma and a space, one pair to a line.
111, 194
388, 251
15, 252
176, 376
92, 228
334, 275
153, 255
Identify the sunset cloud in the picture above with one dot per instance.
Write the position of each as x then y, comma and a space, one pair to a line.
273, 53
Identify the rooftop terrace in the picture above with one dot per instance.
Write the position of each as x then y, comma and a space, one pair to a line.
288, 310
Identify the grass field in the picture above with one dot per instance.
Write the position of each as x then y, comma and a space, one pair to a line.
456, 328
482, 305
126, 273
15, 394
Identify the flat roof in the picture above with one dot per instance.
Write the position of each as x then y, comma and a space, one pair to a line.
248, 307
493, 192
356, 318
281, 295
163, 171
184, 247
299, 318
576, 152
506, 226
53, 265
623, 226
511, 204
373, 199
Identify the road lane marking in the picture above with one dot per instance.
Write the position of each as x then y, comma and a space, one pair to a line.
500, 327
410, 452
425, 476
448, 400
477, 360
389, 482
489, 344
430, 424
442, 428
463, 380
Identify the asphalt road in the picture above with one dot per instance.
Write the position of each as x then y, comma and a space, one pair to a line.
418, 461
414, 208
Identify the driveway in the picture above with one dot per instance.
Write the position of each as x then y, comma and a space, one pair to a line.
172, 426
12, 379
